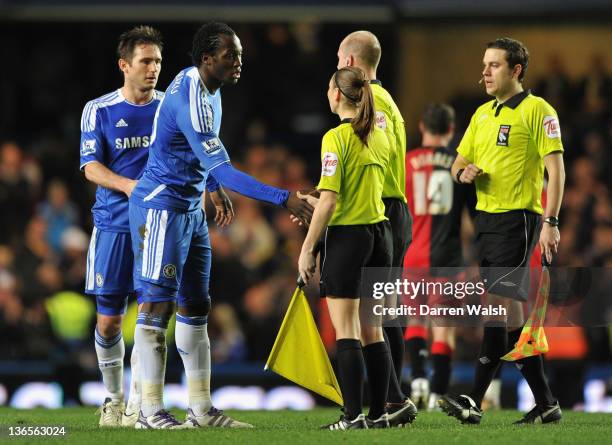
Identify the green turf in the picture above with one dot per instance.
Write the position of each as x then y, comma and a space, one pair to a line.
292, 428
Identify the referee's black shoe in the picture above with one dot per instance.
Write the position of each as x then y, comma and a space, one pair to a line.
402, 413
344, 423
542, 414
381, 422
462, 408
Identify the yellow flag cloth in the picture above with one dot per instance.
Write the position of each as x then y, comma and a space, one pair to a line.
298, 353
532, 340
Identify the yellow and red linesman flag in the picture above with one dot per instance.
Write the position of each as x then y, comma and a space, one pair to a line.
298, 353
532, 340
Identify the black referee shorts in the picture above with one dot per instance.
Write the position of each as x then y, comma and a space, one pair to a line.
505, 242
346, 250
401, 228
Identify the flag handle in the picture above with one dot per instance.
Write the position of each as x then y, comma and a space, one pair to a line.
300, 282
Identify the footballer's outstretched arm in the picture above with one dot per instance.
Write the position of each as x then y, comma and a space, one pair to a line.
246, 185
211, 152
101, 175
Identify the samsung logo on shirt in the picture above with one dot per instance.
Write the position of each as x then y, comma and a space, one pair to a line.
132, 142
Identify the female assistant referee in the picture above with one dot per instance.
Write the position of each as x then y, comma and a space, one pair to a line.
350, 216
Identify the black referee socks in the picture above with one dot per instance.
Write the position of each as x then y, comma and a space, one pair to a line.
378, 363
532, 369
494, 345
351, 375
395, 339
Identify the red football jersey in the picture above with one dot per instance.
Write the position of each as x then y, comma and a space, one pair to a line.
436, 203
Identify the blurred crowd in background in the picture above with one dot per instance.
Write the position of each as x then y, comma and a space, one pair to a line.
272, 126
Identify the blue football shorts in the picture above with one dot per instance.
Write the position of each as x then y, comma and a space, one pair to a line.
110, 271
172, 255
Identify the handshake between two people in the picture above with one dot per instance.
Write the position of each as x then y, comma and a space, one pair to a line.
302, 206
300, 203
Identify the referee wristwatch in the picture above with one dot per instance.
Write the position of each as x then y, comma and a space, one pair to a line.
552, 221
458, 175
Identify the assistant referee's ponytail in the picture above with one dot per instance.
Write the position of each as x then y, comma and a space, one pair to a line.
355, 87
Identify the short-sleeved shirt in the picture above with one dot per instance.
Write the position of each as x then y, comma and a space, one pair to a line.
508, 142
436, 204
185, 146
389, 118
356, 172
117, 134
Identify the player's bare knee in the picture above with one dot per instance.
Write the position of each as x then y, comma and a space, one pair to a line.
163, 308
108, 325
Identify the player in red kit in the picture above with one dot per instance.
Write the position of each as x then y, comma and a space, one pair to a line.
437, 204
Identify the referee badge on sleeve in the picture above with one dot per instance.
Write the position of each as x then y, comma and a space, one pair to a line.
329, 164
551, 127
502, 135
381, 120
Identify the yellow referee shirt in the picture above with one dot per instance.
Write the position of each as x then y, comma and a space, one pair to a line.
389, 119
508, 142
356, 173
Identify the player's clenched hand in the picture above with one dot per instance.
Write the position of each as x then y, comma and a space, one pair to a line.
306, 265
225, 209
300, 208
549, 241
469, 174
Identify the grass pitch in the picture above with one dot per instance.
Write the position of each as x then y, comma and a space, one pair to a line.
293, 427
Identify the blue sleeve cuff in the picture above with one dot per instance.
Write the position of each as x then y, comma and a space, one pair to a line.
211, 184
